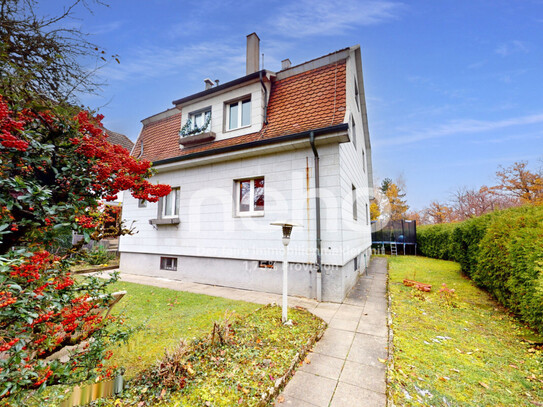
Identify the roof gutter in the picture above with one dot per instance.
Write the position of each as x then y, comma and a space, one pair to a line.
257, 143
317, 215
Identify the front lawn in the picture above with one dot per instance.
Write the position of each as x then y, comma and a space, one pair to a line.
165, 316
465, 351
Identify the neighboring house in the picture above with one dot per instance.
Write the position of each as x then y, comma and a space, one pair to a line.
119, 139
252, 153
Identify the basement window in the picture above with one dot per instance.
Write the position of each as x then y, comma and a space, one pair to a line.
266, 264
168, 263
238, 114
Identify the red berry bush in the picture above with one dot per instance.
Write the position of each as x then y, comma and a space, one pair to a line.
56, 169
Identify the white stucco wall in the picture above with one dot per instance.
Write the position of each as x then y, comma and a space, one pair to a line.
209, 227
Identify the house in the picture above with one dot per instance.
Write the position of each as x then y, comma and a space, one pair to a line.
288, 145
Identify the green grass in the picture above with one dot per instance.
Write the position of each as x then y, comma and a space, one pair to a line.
261, 350
484, 356
165, 316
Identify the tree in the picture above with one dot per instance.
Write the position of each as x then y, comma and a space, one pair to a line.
374, 211
468, 203
55, 169
394, 194
41, 57
519, 182
439, 213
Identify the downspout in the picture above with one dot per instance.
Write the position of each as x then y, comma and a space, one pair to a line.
317, 216
265, 99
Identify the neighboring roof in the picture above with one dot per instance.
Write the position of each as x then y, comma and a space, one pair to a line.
119, 139
303, 102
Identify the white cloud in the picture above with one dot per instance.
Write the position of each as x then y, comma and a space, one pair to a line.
460, 127
205, 58
511, 47
322, 17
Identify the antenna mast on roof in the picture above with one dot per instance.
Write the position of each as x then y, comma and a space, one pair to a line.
262, 61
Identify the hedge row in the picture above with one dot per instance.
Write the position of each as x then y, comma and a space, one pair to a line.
502, 252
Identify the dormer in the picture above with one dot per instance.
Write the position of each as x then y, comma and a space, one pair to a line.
228, 110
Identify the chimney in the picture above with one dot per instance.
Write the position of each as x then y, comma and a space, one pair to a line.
253, 53
285, 64
209, 83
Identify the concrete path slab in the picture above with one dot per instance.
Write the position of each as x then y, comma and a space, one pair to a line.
345, 368
352, 350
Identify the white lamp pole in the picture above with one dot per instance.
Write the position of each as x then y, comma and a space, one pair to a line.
287, 229
285, 280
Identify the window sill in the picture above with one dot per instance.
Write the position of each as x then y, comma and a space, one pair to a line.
237, 128
189, 141
164, 221
249, 214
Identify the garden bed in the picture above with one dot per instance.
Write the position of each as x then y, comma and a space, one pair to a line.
197, 350
457, 348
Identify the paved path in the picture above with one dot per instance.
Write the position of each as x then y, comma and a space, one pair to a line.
344, 368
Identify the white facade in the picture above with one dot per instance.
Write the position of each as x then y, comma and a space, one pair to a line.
213, 244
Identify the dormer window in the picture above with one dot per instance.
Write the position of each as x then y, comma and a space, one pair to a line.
200, 121
238, 114
197, 123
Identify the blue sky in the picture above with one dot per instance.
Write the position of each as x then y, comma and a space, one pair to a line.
454, 88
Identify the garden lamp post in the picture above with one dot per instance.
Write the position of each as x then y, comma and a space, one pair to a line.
287, 230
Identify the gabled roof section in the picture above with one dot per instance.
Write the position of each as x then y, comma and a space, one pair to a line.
306, 101
119, 139
160, 136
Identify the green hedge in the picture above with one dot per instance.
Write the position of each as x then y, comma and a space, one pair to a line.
502, 252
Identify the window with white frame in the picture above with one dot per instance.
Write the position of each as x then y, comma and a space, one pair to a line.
200, 121
238, 114
169, 207
250, 197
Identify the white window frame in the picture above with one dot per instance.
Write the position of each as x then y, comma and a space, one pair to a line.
251, 211
239, 103
193, 115
174, 195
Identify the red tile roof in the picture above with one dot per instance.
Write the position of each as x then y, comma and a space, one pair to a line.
120, 139
307, 101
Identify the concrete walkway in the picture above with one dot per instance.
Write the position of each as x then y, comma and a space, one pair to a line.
344, 369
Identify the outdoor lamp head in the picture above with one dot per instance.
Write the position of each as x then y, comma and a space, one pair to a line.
287, 230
